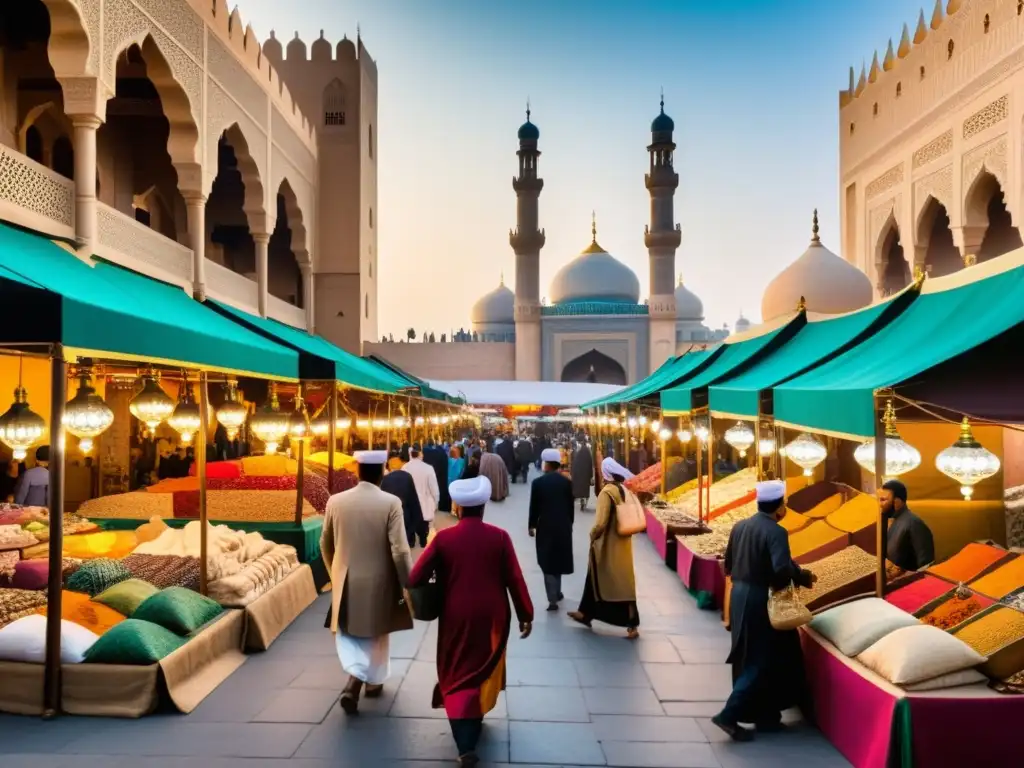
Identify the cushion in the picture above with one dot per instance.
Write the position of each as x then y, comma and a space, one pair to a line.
178, 609
126, 596
858, 513
915, 654
95, 576
31, 574
15, 537
952, 680
134, 642
79, 609
853, 627
25, 640
826, 507
15, 603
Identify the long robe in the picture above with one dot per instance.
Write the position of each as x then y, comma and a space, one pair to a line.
767, 666
493, 468
551, 517
582, 472
477, 572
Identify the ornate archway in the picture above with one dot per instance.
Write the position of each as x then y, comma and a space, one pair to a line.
595, 368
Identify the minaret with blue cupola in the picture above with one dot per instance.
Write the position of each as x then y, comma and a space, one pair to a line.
526, 240
662, 237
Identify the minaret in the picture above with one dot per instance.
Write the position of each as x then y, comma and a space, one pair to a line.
527, 240
662, 238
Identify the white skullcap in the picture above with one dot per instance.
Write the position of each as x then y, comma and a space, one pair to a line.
611, 467
551, 454
771, 490
474, 492
371, 457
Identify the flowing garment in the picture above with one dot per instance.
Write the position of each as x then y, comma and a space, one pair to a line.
477, 571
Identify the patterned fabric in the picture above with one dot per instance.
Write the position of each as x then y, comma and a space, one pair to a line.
98, 575
164, 570
16, 603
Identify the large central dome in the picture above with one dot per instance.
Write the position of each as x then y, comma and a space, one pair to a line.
595, 276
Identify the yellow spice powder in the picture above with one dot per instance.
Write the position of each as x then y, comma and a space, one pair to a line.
993, 630
1002, 581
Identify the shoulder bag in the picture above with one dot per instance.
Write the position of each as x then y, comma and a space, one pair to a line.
629, 514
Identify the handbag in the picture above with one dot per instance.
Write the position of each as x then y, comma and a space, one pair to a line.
785, 611
426, 600
629, 514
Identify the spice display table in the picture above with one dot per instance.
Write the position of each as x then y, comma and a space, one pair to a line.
702, 576
873, 723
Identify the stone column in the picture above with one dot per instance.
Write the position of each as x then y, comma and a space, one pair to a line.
262, 240
195, 206
307, 295
85, 127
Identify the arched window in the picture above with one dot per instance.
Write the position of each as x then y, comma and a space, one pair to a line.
369, 139
64, 157
334, 104
34, 144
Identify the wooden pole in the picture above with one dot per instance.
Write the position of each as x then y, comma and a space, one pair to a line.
204, 405
332, 433
881, 527
55, 582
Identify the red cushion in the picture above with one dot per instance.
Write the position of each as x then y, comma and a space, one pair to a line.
220, 469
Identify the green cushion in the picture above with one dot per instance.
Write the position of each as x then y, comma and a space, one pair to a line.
133, 642
127, 596
178, 609
97, 576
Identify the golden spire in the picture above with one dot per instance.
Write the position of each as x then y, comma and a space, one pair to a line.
922, 30
815, 240
904, 49
890, 57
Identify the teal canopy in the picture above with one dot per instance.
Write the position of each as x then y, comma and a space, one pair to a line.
739, 396
97, 309
734, 357
950, 317
318, 358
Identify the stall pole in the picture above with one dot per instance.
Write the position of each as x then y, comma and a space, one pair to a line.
55, 583
204, 407
881, 528
332, 433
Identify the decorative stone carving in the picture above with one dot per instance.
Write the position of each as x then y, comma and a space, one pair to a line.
938, 185
179, 21
990, 156
235, 80
125, 236
31, 186
886, 181
222, 113
283, 135
934, 149
987, 117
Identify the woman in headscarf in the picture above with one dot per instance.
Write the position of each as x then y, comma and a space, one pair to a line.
477, 571
609, 593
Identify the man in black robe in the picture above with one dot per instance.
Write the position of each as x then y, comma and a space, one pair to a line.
582, 473
767, 664
438, 459
910, 545
524, 458
551, 518
506, 452
400, 483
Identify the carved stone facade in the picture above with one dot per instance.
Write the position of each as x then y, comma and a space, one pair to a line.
949, 108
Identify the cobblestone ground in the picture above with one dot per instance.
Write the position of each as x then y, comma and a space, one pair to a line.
575, 697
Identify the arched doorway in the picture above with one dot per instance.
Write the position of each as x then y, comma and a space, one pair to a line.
595, 368
893, 269
942, 257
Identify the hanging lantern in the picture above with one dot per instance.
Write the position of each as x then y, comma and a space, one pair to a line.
231, 414
151, 405
740, 437
20, 426
268, 423
967, 461
900, 456
806, 451
86, 416
298, 421
766, 446
186, 419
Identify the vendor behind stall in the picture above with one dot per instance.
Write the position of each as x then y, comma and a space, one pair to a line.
910, 544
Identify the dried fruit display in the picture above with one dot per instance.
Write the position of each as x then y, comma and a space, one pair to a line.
836, 571
955, 611
1002, 581
992, 631
968, 562
917, 594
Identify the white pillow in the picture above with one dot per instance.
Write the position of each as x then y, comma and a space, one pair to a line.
854, 627
915, 654
952, 680
25, 640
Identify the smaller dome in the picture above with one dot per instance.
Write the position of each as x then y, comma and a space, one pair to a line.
498, 306
826, 283
688, 304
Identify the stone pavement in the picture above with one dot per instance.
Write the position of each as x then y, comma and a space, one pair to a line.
575, 697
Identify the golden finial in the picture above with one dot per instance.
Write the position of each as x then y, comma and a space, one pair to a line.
801, 306
593, 227
814, 228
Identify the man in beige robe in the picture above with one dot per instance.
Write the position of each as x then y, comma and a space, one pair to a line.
367, 553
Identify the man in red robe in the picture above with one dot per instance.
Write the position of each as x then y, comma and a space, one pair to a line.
477, 570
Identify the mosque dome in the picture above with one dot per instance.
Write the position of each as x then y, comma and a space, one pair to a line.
498, 306
828, 284
595, 275
688, 304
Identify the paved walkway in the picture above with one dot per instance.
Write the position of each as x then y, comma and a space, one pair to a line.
574, 698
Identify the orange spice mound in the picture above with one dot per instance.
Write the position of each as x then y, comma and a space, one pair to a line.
817, 534
955, 611
968, 562
1002, 581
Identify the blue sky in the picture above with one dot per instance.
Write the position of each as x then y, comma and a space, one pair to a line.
752, 87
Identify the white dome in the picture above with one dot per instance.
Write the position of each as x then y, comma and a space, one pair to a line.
828, 284
498, 306
688, 304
